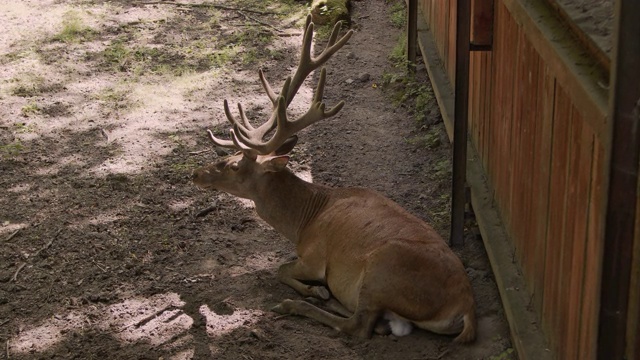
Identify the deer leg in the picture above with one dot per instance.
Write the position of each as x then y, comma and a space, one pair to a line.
294, 272
360, 324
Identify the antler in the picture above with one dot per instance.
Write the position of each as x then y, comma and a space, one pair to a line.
249, 140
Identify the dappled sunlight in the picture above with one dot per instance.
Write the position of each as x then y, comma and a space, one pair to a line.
256, 262
19, 188
218, 325
158, 321
60, 163
179, 205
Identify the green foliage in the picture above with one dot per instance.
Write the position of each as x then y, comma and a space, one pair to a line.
403, 83
73, 30
398, 14
12, 149
505, 355
31, 108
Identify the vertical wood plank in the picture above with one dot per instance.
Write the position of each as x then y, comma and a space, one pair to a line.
593, 258
557, 214
584, 161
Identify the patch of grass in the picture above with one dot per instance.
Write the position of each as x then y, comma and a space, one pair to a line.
114, 98
23, 128
30, 85
430, 140
73, 30
403, 84
12, 149
505, 355
32, 108
398, 14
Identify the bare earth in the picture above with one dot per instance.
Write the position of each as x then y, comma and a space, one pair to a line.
105, 250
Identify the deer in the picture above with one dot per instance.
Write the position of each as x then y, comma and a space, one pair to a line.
364, 264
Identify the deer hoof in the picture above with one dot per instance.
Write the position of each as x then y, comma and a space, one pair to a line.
321, 292
283, 308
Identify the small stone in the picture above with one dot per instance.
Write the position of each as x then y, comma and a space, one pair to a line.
363, 77
349, 81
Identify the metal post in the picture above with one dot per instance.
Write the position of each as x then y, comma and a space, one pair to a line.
623, 182
412, 33
461, 102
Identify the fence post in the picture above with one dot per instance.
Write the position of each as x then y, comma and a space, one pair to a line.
624, 110
412, 33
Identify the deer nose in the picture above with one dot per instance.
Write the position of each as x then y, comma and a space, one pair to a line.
194, 175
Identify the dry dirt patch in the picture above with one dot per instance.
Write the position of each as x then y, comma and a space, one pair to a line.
102, 249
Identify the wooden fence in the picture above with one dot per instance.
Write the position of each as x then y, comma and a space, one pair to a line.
538, 123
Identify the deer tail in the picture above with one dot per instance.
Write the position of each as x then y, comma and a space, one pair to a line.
468, 333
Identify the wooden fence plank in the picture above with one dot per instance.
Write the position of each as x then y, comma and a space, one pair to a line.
583, 163
593, 258
557, 214
543, 145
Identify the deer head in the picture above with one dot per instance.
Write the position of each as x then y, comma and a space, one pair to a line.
263, 149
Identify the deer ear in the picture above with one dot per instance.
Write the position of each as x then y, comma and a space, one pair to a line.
287, 146
275, 163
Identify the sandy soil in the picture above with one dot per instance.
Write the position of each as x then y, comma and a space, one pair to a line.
594, 17
105, 250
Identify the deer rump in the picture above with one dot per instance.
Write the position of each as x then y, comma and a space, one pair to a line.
387, 268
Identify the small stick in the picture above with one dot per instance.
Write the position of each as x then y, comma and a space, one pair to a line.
48, 245
5, 322
105, 134
281, 316
99, 267
13, 235
259, 21
215, 6
200, 152
207, 210
15, 275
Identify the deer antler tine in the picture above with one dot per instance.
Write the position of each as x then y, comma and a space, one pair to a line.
320, 88
222, 143
249, 139
334, 33
245, 122
334, 110
239, 144
267, 87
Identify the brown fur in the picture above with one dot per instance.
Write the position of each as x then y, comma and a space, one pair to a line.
373, 256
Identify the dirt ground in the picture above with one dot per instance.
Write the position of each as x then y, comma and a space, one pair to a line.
108, 250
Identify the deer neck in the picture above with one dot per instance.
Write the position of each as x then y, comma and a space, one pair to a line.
289, 203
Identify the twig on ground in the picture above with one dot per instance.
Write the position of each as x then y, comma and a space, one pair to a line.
207, 210
259, 22
99, 267
12, 235
5, 322
215, 6
14, 278
439, 356
200, 152
281, 316
105, 134
48, 245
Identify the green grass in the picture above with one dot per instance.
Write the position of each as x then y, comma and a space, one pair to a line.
73, 30
11, 149
398, 14
32, 108
402, 83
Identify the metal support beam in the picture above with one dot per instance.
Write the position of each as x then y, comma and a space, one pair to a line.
412, 33
461, 104
623, 182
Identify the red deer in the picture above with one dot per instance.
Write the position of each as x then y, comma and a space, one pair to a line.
384, 269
